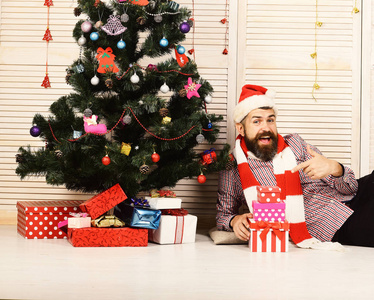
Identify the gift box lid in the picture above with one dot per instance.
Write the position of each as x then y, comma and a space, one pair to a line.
261, 225
40, 207
268, 189
103, 202
269, 206
164, 203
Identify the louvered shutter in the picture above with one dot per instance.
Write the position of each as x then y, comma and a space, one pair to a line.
275, 47
22, 68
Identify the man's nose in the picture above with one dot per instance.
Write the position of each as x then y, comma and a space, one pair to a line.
265, 126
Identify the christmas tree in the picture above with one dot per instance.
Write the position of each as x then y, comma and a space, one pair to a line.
124, 122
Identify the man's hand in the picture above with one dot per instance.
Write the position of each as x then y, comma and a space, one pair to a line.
240, 225
319, 166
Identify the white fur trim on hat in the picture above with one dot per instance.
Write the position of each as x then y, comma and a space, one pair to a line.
243, 108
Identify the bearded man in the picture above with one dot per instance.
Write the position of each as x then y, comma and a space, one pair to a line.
324, 201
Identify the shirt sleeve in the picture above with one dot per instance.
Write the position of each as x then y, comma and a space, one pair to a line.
229, 198
345, 184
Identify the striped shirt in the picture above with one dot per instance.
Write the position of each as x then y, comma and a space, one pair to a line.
325, 211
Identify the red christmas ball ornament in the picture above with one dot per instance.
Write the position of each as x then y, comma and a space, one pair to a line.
105, 160
155, 157
201, 178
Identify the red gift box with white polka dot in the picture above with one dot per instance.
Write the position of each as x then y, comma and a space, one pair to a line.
268, 194
39, 219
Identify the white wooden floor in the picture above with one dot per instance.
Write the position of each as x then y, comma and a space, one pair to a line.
53, 269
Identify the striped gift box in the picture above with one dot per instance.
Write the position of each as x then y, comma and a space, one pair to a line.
269, 236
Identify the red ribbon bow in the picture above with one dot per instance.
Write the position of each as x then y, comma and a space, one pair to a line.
174, 212
266, 226
166, 193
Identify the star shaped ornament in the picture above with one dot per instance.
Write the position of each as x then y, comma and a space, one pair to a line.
192, 88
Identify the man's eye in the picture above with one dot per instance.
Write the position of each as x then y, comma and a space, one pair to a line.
256, 122
271, 120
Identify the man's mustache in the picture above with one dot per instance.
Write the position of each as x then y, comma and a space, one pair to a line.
265, 133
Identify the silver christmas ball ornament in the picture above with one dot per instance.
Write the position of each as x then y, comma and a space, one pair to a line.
134, 78
124, 18
164, 88
158, 18
82, 40
200, 138
126, 120
95, 80
208, 99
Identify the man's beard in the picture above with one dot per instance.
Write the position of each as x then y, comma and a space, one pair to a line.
264, 152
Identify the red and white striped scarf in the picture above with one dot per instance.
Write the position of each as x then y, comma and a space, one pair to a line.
291, 192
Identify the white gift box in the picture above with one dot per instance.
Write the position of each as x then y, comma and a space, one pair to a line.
164, 203
79, 222
175, 230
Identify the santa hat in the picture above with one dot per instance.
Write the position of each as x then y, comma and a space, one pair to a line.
252, 97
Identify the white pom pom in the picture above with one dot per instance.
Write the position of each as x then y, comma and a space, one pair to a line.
271, 93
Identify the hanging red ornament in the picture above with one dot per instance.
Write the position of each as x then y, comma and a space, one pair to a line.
48, 3
106, 60
208, 156
201, 178
155, 157
105, 160
225, 52
46, 82
223, 21
47, 36
191, 51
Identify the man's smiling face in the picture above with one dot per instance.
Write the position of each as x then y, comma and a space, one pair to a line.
260, 133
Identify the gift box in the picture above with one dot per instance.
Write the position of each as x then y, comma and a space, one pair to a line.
272, 212
101, 203
108, 237
268, 194
39, 219
75, 220
137, 216
269, 236
175, 229
82, 222
208, 156
164, 203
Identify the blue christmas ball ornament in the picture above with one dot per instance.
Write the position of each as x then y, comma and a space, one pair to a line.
164, 42
210, 125
181, 49
94, 36
121, 44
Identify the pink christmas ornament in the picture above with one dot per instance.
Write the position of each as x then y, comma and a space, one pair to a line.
192, 88
114, 26
90, 125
